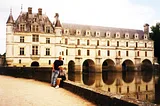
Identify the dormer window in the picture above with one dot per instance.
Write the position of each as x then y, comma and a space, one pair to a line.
66, 31
48, 29
108, 34
35, 28
126, 35
97, 33
78, 32
135, 36
117, 35
88, 32
22, 27
145, 37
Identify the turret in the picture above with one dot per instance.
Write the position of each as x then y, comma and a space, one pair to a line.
9, 38
9, 23
57, 25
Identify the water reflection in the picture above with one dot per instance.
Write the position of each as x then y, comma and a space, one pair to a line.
139, 85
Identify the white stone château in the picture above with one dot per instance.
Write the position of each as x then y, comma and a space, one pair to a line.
33, 40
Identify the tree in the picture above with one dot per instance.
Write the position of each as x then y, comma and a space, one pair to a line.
155, 36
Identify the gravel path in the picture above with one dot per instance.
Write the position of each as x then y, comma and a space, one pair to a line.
28, 92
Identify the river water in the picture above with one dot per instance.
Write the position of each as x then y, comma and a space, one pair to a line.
144, 86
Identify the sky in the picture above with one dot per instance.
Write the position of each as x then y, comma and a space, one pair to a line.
132, 14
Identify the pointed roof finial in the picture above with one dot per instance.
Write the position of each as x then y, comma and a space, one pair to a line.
10, 11
21, 7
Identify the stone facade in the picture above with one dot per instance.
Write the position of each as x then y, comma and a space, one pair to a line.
33, 40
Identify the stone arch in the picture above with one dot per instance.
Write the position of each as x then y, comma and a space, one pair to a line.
108, 77
128, 76
88, 66
34, 64
128, 65
88, 78
71, 66
108, 65
146, 65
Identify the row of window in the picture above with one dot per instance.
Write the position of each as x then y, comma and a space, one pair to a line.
35, 38
34, 28
35, 52
20, 61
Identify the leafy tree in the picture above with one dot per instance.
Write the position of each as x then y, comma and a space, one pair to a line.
155, 36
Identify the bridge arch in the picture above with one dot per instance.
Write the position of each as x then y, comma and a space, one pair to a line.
128, 65
34, 64
108, 64
146, 65
88, 66
108, 77
71, 66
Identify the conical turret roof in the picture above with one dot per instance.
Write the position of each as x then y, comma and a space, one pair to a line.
10, 18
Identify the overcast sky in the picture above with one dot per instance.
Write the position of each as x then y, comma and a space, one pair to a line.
131, 14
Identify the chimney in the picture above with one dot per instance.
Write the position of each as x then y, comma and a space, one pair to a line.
40, 11
146, 29
29, 10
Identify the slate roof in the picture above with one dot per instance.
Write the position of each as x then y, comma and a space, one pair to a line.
33, 19
72, 28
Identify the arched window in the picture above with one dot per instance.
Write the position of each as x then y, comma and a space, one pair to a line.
66, 41
108, 43
87, 42
97, 42
117, 43
78, 41
119, 53
88, 53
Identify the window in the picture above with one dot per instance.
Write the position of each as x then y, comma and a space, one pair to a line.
21, 51
35, 28
119, 53
22, 39
62, 53
136, 44
48, 40
87, 42
145, 45
48, 29
138, 53
108, 53
78, 41
88, 53
35, 38
145, 53
34, 50
146, 87
22, 27
49, 62
66, 52
99, 53
66, 41
108, 43
19, 61
127, 89
117, 43
109, 90
119, 89
127, 53
126, 44
97, 42
79, 52
47, 51
139, 89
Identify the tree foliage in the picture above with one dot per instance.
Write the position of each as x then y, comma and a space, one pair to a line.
155, 36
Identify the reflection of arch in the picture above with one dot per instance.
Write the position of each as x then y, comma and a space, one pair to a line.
128, 76
147, 76
128, 65
34, 63
88, 78
88, 66
71, 66
108, 64
146, 65
108, 77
